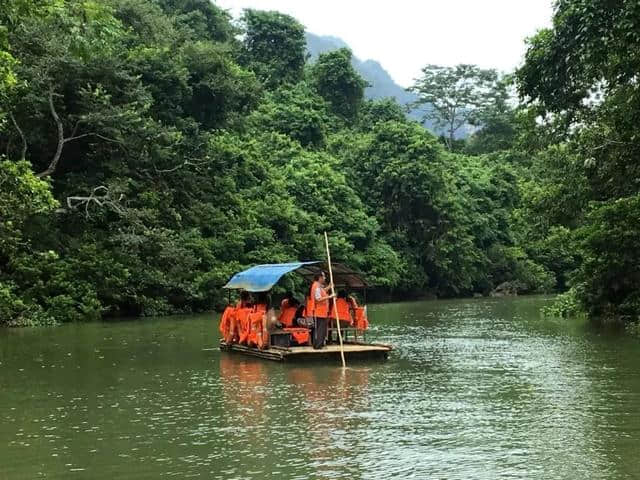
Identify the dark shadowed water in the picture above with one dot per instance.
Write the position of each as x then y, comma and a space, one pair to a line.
479, 389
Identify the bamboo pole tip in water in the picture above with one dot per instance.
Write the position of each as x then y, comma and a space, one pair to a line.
333, 296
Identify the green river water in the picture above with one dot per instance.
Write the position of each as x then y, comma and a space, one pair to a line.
475, 389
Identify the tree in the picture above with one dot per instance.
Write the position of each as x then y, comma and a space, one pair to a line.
498, 125
50, 64
296, 111
205, 20
455, 96
582, 75
273, 47
175, 148
383, 110
338, 83
12, 12
608, 277
23, 195
220, 91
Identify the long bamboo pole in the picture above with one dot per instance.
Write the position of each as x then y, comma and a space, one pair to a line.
333, 294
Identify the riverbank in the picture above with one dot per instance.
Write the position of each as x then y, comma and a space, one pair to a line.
36, 321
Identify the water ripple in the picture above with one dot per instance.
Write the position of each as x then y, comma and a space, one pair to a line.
475, 389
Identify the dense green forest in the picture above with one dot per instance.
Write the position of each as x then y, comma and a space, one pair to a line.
151, 148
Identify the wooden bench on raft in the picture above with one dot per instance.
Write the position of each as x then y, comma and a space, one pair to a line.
290, 336
355, 334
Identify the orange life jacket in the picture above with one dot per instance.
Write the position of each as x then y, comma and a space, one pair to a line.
287, 314
343, 311
255, 321
317, 308
228, 324
362, 322
300, 336
242, 324
225, 320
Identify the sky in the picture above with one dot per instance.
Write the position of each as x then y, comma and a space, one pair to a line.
406, 35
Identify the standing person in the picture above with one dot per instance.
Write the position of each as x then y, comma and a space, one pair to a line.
317, 309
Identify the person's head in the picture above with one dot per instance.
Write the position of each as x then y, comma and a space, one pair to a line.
320, 277
342, 294
245, 298
263, 299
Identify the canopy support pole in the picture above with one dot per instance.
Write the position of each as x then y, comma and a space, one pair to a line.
333, 295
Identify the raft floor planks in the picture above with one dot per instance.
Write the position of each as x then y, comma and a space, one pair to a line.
281, 354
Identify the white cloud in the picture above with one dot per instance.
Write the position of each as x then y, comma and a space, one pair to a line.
405, 35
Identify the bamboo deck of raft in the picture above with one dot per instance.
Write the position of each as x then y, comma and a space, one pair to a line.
329, 352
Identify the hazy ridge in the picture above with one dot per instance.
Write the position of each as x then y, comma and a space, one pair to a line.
381, 83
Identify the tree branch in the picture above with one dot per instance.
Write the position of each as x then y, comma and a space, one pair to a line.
56, 157
61, 140
24, 140
608, 142
92, 134
101, 200
75, 128
183, 164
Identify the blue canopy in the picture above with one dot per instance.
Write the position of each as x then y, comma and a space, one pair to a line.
262, 278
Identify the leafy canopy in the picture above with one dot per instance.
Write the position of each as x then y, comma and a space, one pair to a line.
455, 96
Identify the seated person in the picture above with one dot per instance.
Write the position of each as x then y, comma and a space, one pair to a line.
353, 303
291, 311
262, 302
240, 325
300, 320
288, 308
257, 320
344, 309
225, 321
300, 330
359, 314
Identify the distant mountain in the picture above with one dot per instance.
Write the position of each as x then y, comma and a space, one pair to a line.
382, 85
317, 44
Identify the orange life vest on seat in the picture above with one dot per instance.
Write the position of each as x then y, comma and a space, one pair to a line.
343, 311
301, 336
317, 308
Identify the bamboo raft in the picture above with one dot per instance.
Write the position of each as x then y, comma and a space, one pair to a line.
262, 278
352, 350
